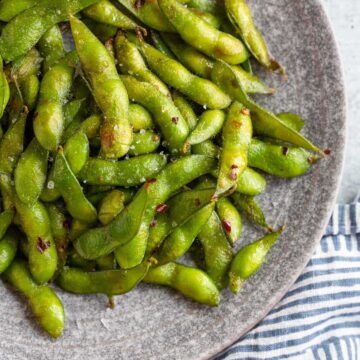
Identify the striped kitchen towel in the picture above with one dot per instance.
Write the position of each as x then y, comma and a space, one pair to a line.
319, 318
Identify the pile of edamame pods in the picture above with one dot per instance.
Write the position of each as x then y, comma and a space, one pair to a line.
139, 146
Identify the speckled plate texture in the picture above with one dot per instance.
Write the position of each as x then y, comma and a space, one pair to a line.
157, 323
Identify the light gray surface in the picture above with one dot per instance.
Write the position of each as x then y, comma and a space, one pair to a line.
345, 19
156, 323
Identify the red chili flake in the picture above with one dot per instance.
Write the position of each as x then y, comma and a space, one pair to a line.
67, 224
149, 182
285, 150
42, 245
65, 26
138, 4
233, 172
197, 202
175, 119
227, 226
327, 151
109, 42
161, 208
153, 223
245, 111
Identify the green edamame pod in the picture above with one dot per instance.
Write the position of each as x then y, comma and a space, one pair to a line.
8, 246
78, 228
230, 219
251, 209
203, 36
107, 262
180, 240
105, 12
246, 65
108, 91
10, 8
201, 91
140, 212
264, 122
236, 137
108, 282
172, 125
239, 14
111, 206
294, 121
160, 44
140, 118
15, 42
131, 62
71, 191
249, 259
26, 65
76, 151
145, 142
160, 227
191, 282
7, 191
49, 118
102, 31
6, 218
91, 126
30, 173
280, 160
4, 89
209, 125
30, 89
202, 65
185, 109
211, 6
210, 18
218, 253
131, 172
12, 143
44, 303
73, 110
75, 260
35, 223
207, 148
51, 47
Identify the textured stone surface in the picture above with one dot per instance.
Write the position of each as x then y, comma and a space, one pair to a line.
156, 323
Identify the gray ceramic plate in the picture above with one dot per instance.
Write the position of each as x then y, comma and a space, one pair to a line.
156, 323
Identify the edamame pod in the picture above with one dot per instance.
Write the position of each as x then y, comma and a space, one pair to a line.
6, 218
76, 151
8, 247
10, 8
73, 111
15, 42
186, 109
203, 36
249, 259
236, 137
108, 91
158, 42
139, 213
44, 303
71, 191
168, 118
145, 142
201, 91
30, 89
111, 206
140, 118
294, 121
91, 126
102, 31
264, 122
30, 173
108, 282
131, 172
191, 282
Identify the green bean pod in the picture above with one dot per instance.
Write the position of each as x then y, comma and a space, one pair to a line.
44, 303
35, 223
140, 118
111, 206
139, 213
51, 47
108, 90
185, 109
30, 173
181, 239
168, 118
209, 125
249, 259
71, 191
107, 13
250, 207
6, 218
132, 63
264, 122
201, 91
203, 36
236, 137
218, 253
131, 172
49, 118
240, 15
8, 247
191, 282
230, 219
10, 8
145, 142
109, 282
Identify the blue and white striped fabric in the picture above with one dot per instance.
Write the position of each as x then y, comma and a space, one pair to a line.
319, 318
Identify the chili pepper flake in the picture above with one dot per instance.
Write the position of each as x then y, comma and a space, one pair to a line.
233, 172
227, 226
149, 182
327, 151
138, 4
285, 150
161, 208
42, 245
245, 111
175, 119
153, 223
